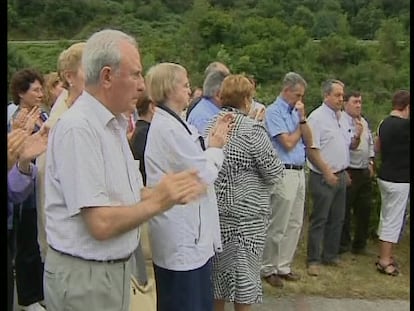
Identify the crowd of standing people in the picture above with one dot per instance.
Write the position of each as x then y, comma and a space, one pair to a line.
95, 151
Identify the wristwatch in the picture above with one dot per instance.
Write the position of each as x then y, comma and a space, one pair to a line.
29, 173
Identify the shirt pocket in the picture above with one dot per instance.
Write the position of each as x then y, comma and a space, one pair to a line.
190, 225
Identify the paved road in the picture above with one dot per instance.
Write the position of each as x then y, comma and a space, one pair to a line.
301, 303
328, 304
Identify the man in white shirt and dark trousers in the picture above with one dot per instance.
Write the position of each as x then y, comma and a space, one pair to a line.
361, 172
328, 157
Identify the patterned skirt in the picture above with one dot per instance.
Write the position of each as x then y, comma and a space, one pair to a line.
236, 270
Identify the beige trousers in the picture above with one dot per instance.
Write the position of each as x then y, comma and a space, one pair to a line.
40, 205
287, 204
78, 285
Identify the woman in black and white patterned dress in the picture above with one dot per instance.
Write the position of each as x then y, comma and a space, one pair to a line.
250, 169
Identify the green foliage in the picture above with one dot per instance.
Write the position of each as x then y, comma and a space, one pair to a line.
304, 17
178, 6
264, 38
328, 23
12, 16
389, 35
367, 22
15, 62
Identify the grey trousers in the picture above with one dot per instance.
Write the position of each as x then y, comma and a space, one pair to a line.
326, 218
77, 285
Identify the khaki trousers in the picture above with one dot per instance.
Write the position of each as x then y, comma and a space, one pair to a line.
287, 204
73, 284
40, 205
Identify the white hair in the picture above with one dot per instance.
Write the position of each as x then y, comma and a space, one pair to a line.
103, 49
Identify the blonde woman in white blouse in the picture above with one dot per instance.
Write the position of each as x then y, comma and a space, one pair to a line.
185, 238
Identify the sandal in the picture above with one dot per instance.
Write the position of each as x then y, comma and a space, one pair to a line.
394, 262
383, 269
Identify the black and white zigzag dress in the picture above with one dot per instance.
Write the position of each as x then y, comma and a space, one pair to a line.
249, 170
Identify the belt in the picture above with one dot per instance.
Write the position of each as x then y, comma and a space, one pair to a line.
110, 261
293, 167
338, 172
357, 168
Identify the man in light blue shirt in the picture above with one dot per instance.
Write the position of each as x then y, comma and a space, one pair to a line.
286, 123
328, 157
209, 105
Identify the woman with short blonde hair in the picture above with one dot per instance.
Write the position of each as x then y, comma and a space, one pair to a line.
184, 238
71, 74
52, 88
69, 62
161, 80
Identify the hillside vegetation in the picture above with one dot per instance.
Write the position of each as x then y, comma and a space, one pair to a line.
319, 39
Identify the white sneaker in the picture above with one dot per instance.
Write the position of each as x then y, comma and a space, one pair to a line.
34, 307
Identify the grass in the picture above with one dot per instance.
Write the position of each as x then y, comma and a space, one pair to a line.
357, 279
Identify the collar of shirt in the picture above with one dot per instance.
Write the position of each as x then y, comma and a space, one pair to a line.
329, 110
232, 109
348, 119
103, 114
281, 101
167, 115
211, 103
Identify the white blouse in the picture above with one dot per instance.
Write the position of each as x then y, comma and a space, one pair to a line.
186, 236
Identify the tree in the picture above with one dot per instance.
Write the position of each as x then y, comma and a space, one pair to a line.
215, 27
329, 22
15, 62
366, 22
28, 8
178, 6
12, 16
304, 17
269, 8
389, 35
